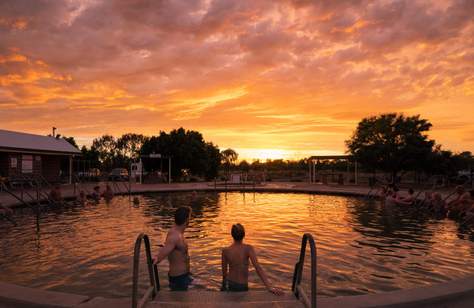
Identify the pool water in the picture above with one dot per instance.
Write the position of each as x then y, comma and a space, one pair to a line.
362, 246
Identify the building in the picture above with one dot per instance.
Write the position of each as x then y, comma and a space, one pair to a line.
35, 155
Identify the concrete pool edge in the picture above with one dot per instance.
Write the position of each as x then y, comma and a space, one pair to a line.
439, 295
280, 187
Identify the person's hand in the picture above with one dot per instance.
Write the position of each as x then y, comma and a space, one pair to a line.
276, 291
155, 261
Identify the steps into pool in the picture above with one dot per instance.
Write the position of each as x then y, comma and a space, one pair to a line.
225, 299
214, 299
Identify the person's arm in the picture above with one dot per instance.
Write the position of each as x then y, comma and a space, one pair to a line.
170, 244
225, 266
261, 273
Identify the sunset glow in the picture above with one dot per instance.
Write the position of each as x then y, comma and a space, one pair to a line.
271, 79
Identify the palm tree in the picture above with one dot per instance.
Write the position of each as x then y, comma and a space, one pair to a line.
228, 158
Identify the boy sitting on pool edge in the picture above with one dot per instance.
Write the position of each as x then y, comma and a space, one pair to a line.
235, 265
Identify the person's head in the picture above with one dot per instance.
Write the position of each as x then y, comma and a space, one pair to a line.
238, 232
82, 193
437, 196
471, 193
460, 189
182, 215
57, 186
411, 191
96, 188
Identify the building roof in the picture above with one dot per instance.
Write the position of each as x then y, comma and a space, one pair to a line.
28, 143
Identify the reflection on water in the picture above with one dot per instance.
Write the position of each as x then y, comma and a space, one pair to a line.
362, 247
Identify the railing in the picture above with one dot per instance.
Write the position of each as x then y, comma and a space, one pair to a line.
154, 287
298, 274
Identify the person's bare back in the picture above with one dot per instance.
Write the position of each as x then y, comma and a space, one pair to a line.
237, 257
235, 264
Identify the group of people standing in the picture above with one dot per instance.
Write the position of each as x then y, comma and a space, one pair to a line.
458, 205
235, 258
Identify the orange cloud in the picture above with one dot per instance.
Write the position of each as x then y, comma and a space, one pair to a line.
288, 77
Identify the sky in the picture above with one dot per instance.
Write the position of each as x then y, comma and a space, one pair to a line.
268, 78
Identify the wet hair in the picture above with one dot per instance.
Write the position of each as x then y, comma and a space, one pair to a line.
238, 232
181, 215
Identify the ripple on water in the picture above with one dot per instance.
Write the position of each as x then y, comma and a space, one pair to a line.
362, 248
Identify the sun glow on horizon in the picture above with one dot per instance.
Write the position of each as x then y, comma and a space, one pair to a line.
249, 154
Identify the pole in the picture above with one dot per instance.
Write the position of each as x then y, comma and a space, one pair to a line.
169, 170
141, 170
356, 181
309, 170
314, 172
130, 183
70, 170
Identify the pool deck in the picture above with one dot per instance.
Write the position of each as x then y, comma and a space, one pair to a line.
294, 187
455, 294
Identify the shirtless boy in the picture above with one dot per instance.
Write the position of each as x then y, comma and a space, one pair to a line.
235, 264
176, 249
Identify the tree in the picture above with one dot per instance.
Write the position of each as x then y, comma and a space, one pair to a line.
129, 145
106, 146
72, 141
188, 151
91, 156
228, 157
391, 142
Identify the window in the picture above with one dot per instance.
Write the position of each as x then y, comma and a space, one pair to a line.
27, 164
13, 162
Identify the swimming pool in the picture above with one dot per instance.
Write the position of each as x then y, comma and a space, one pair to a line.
362, 247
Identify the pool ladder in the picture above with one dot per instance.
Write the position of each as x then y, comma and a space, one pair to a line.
154, 287
298, 273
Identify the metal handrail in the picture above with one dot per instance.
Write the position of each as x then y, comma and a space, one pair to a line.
298, 273
154, 287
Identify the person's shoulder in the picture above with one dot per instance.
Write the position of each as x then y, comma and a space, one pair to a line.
249, 248
173, 235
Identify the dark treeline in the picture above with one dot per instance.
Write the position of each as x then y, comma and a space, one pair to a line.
189, 152
393, 144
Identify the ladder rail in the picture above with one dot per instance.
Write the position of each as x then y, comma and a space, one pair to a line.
154, 287
298, 273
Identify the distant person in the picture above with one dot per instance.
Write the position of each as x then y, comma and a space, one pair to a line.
176, 249
4, 210
136, 201
392, 196
460, 203
82, 198
438, 205
55, 195
469, 213
108, 194
408, 200
96, 193
235, 264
